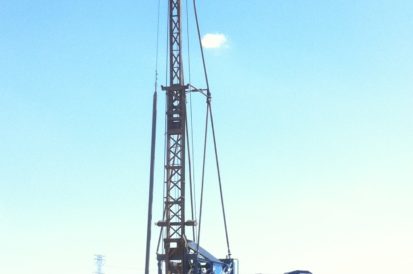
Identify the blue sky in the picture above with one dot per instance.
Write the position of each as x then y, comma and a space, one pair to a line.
313, 106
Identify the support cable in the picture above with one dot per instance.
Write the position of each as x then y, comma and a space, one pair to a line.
202, 51
188, 43
202, 180
190, 133
206, 123
219, 180
209, 110
190, 177
165, 137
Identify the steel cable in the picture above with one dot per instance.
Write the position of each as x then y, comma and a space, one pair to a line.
219, 180
202, 179
209, 111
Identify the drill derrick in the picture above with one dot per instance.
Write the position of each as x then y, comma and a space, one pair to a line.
180, 255
174, 200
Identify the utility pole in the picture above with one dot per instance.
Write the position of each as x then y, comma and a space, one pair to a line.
99, 259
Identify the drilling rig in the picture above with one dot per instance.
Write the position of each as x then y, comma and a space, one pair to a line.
180, 255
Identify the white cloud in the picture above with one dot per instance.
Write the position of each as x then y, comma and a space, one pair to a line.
213, 40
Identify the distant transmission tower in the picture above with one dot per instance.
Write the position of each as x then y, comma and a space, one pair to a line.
100, 259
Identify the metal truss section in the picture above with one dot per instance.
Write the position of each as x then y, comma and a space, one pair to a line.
174, 200
175, 41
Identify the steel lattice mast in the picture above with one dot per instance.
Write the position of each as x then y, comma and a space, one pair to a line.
180, 255
174, 200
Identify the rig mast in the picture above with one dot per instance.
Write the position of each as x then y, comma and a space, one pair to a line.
174, 201
180, 255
